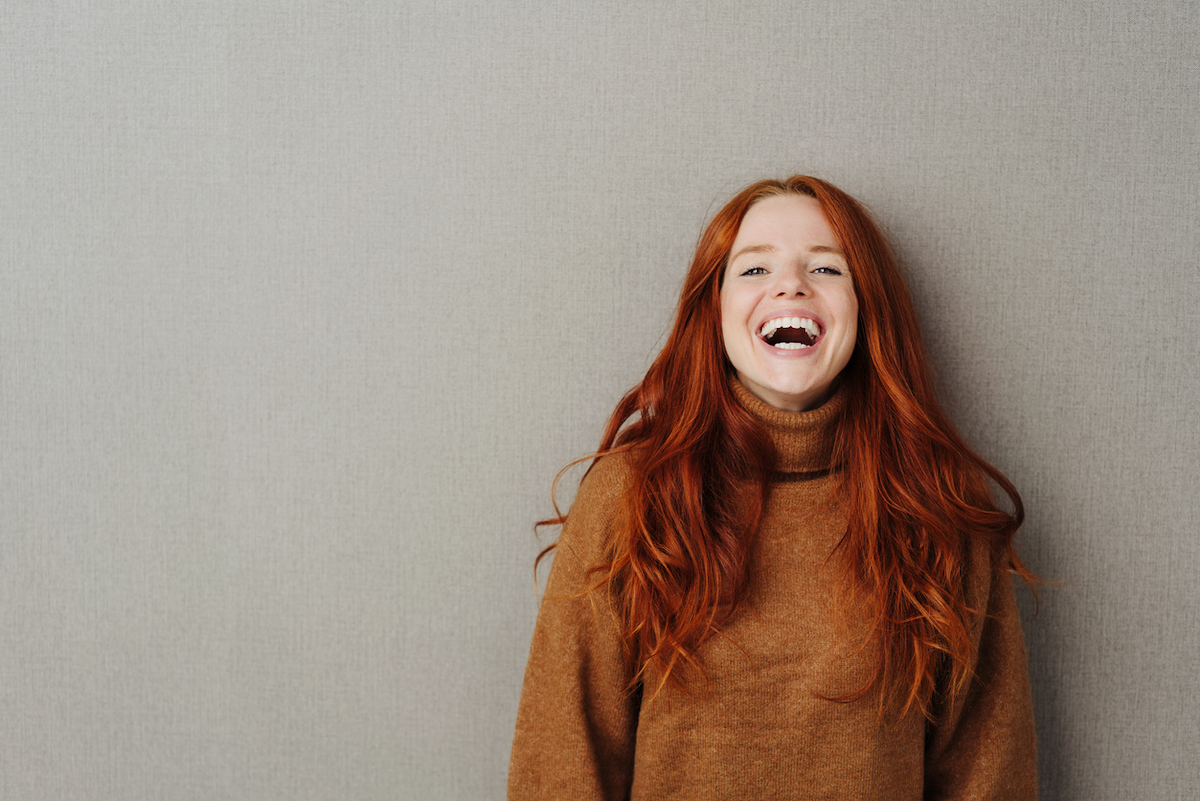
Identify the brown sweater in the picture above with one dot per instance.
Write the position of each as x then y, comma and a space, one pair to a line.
758, 729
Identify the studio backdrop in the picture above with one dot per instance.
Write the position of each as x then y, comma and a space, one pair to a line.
303, 304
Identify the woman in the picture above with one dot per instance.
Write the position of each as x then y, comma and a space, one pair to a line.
786, 575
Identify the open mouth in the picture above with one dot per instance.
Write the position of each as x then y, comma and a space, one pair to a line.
790, 333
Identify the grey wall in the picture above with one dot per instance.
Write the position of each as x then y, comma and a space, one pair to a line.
302, 305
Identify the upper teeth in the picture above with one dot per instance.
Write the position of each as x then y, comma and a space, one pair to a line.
771, 326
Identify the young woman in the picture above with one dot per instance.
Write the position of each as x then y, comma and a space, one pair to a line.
786, 575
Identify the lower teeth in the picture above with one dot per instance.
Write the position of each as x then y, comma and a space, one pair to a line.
791, 345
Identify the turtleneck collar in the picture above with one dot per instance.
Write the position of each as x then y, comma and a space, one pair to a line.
803, 440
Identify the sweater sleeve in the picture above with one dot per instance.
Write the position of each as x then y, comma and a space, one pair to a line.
577, 722
985, 747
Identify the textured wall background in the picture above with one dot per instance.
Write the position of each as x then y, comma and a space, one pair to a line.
304, 303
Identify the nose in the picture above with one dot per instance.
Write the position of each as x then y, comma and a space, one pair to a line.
792, 282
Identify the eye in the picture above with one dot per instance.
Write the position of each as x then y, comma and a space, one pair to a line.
755, 270
827, 270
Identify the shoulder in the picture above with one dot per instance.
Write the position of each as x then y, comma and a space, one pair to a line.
989, 583
981, 563
594, 513
606, 481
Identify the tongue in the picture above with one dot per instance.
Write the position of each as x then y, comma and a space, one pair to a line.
790, 335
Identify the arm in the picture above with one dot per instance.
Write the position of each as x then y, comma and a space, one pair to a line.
984, 747
576, 724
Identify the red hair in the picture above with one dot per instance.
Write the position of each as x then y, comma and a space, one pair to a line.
678, 560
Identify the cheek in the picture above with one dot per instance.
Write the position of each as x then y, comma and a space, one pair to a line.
729, 339
851, 338
851, 317
734, 338
729, 318
736, 306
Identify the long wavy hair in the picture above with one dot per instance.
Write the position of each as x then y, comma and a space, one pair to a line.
679, 556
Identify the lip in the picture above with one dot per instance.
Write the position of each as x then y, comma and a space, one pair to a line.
790, 312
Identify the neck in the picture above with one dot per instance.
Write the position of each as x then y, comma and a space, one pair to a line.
804, 441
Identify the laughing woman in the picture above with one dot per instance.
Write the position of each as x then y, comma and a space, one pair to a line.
786, 575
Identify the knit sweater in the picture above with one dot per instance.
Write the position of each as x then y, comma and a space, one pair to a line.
759, 728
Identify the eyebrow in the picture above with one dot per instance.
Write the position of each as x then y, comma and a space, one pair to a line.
772, 249
752, 249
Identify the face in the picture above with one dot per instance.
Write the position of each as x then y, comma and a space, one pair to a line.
789, 315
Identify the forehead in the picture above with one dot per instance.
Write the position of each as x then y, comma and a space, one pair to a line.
786, 222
